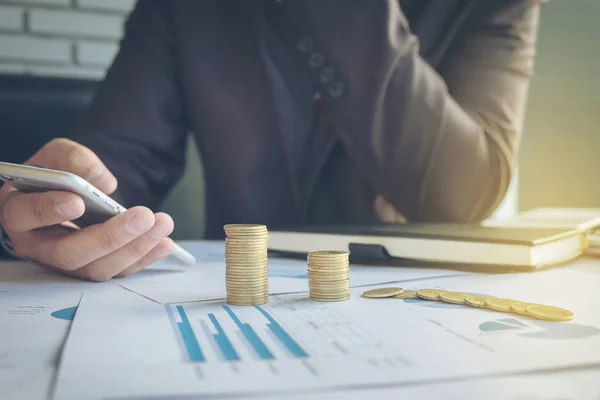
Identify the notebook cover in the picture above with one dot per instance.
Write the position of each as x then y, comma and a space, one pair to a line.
454, 232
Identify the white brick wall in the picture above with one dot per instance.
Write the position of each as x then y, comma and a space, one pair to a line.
11, 18
67, 38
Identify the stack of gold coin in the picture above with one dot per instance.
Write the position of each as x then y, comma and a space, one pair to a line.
328, 275
246, 264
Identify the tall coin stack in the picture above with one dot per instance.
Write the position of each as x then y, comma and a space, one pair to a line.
328, 275
246, 264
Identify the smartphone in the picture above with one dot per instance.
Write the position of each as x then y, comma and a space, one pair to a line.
98, 206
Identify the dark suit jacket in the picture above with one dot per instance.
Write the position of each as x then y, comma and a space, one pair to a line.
427, 114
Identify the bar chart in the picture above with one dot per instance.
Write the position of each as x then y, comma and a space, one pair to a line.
223, 335
291, 333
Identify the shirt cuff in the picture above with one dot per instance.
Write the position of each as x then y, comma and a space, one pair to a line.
6, 247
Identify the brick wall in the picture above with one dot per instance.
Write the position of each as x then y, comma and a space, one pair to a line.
77, 38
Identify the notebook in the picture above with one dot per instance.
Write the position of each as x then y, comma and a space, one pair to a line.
517, 248
585, 219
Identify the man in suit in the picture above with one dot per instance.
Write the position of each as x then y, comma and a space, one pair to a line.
305, 112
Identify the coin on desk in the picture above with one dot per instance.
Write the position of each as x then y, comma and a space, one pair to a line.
429, 294
549, 313
383, 292
454, 297
407, 294
477, 301
499, 304
521, 308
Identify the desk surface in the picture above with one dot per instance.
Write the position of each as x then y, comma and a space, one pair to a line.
37, 315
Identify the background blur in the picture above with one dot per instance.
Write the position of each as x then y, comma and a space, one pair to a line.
559, 156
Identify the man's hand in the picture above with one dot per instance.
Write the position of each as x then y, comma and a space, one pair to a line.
39, 226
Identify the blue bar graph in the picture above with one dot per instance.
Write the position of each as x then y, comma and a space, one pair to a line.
252, 338
225, 346
285, 339
192, 347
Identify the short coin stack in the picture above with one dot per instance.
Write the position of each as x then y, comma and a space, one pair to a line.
328, 275
246, 264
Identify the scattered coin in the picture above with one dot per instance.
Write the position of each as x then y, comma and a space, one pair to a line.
521, 308
549, 313
454, 297
477, 301
407, 294
430, 294
499, 304
383, 292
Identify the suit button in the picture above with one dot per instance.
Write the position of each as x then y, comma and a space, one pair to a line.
326, 75
336, 89
305, 44
316, 60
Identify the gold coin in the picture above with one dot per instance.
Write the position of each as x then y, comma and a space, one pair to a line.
477, 301
245, 246
499, 304
331, 300
340, 286
328, 253
383, 292
248, 303
407, 294
246, 283
330, 286
247, 235
247, 266
430, 294
325, 293
328, 263
247, 250
251, 239
246, 277
248, 262
244, 227
242, 285
331, 265
321, 259
247, 296
549, 313
521, 308
240, 296
324, 272
454, 297
328, 277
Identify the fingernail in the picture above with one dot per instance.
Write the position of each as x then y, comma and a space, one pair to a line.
67, 209
137, 224
159, 231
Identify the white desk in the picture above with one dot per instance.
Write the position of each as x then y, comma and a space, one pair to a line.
29, 374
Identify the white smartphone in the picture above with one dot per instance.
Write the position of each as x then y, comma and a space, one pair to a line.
98, 206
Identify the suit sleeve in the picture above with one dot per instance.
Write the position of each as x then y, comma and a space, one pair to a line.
438, 145
136, 122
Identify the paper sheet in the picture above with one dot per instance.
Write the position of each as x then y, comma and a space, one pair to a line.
169, 283
560, 385
294, 345
33, 327
36, 309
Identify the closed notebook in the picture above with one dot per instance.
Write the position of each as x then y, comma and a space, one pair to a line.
584, 219
441, 243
